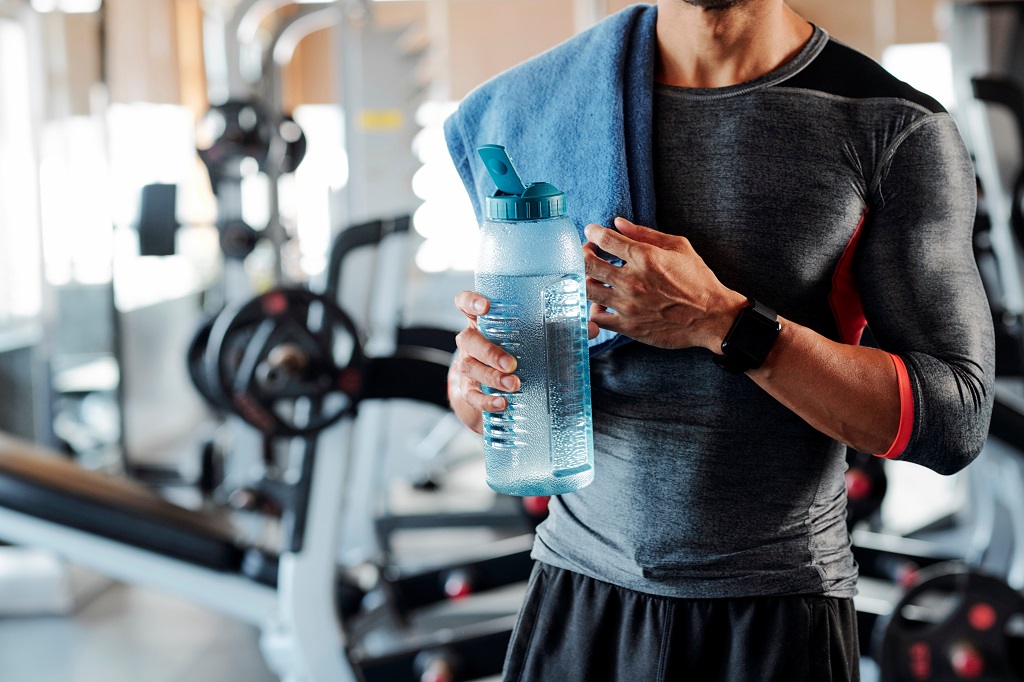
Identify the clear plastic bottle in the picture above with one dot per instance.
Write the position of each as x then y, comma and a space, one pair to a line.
531, 268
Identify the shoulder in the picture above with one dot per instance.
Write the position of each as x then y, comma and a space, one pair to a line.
844, 72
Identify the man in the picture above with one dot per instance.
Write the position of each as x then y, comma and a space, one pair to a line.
783, 172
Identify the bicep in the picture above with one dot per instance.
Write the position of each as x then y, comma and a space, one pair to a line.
922, 294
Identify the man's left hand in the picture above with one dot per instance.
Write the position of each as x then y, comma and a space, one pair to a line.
664, 295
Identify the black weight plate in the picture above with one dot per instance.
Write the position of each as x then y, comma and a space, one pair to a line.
866, 485
237, 239
332, 378
295, 144
197, 367
232, 131
954, 624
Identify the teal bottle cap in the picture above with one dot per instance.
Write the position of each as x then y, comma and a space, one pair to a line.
514, 200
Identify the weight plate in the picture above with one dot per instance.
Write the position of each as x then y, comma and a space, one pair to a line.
954, 624
237, 239
866, 484
232, 131
295, 144
197, 367
289, 362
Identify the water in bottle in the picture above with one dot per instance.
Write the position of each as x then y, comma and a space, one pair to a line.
531, 268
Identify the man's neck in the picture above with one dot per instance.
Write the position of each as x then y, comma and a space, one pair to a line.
699, 48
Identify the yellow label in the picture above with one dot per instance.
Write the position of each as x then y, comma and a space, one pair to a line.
381, 120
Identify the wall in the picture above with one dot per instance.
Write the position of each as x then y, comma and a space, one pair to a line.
487, 37
154, 47
142, 51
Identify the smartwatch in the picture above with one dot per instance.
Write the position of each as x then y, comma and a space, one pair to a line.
750, 338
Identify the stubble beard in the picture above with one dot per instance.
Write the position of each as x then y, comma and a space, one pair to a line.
715, 5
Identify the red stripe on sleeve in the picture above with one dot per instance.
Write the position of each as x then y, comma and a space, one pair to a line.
906, 410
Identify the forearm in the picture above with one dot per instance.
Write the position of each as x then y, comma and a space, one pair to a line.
850, 393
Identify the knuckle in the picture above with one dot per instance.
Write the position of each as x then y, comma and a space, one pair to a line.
466, 340
494, 378
495, 356
640, 257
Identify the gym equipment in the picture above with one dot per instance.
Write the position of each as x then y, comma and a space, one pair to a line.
197, 366
988, 70
250, 360
1008, 324
865, 487
295, 144
507, 514
231, 132
506, 562
284, 346
954, 624
128, 532
157, 224
237, 239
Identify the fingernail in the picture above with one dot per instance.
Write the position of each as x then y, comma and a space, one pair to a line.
478, 306
509, 382
588, 230
507, 363
498, 404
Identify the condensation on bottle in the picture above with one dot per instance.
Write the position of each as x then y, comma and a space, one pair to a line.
530, 267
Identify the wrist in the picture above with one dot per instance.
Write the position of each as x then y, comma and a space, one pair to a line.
732, 302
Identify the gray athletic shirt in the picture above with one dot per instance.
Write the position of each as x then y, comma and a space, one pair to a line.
835, 194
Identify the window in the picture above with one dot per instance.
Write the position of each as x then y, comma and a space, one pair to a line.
20, 278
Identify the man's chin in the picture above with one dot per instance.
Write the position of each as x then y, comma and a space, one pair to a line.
715, 4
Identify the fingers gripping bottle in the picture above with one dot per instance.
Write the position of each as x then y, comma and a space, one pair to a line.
530, 266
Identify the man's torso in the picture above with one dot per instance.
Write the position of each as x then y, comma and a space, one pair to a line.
705, 485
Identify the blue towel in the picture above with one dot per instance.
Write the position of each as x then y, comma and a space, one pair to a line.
577, 116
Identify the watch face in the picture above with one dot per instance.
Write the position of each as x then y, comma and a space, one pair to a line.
752, 336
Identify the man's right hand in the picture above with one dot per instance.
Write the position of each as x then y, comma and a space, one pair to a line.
479, 362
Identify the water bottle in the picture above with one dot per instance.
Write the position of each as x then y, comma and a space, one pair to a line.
530, 266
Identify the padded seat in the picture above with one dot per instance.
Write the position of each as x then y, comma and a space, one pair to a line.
43, 484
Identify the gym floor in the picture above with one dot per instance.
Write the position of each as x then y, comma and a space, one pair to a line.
129, 634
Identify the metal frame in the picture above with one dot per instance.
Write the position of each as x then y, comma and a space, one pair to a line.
306, 642
302, 639
232, 595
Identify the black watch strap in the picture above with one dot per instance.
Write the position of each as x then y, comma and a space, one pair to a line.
750, 339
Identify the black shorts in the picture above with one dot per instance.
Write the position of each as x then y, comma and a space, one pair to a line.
576, 629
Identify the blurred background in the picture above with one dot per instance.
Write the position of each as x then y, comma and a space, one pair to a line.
165, 162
